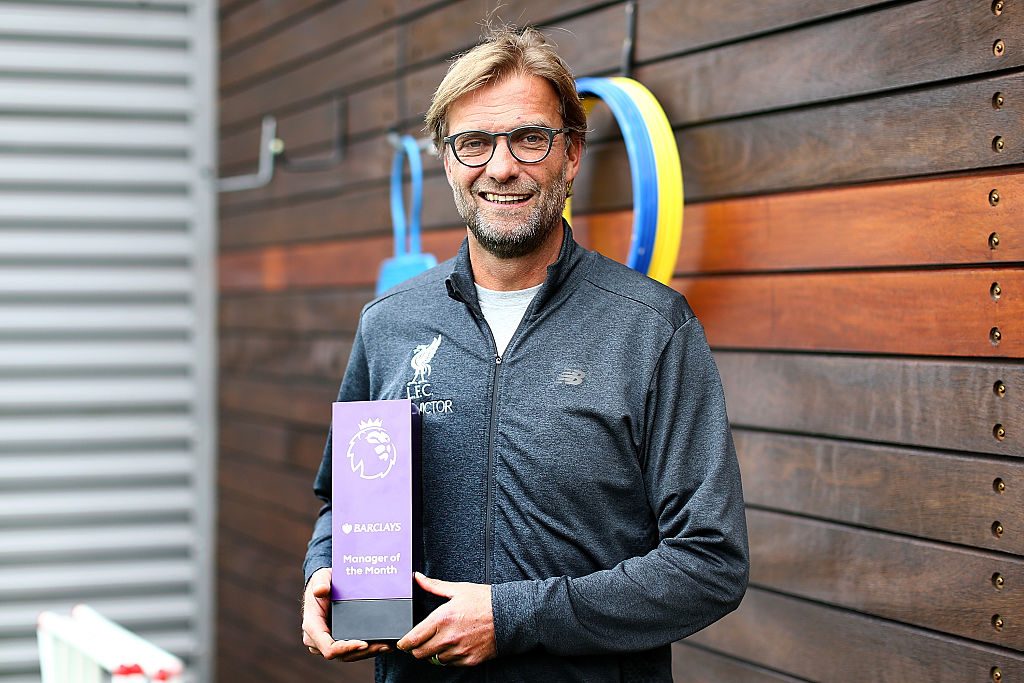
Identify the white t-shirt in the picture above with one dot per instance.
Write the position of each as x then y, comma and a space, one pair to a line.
503, 312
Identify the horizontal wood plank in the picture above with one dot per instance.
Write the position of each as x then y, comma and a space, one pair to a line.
924, 222
257, 19
317, 265
297, 358
375, 55
822, 643
946, 404
943, 312
247, 518
335, 312
922, 493
307, 403
877, 312
285, 490
920, 222
456, 26
428, 37
298, 447
326, 27
668, 26
940, 587
309, 132
938, 129
691, 664
261, 566
897, 46
253, 438
365, 161
943, 129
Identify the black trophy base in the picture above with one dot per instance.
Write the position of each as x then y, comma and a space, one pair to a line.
371, 620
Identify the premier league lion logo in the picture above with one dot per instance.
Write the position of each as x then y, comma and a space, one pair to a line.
370, 452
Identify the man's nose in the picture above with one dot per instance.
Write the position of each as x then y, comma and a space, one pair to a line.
503, 166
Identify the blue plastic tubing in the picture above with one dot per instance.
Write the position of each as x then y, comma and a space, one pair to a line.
642, 169
408, 149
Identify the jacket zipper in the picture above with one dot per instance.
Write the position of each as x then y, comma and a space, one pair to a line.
489, 525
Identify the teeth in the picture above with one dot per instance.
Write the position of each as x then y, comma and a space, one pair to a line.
505, 198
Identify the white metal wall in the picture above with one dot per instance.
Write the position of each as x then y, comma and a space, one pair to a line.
106, 320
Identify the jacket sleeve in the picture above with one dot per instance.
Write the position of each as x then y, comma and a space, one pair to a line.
355, 386
698, 571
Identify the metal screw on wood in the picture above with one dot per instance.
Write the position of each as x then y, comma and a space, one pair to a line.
1000, 388
993, 240
998, 100
998, 144
999, 48
996, 674
999, 486
995, 336
993, 197
996, 291
997, 622
997, 581
997, 529
999, 432
997, 7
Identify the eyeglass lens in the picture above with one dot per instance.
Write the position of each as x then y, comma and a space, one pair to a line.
528, 144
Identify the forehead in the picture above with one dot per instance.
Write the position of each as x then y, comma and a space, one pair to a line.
513, 101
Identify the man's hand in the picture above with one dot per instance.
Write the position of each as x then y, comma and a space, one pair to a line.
459, 632
315, 634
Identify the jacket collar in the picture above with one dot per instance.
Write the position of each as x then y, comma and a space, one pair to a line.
561, 278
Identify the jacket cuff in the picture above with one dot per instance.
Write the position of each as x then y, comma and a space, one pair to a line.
514, 607
316, 559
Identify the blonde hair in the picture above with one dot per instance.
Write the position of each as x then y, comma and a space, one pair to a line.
506, 51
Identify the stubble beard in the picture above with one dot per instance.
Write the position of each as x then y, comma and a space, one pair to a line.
524, 238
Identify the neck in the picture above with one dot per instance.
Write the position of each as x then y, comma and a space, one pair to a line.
509, 274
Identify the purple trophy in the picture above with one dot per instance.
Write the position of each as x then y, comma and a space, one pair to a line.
375, 447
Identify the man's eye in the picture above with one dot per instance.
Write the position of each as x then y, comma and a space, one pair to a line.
471, 144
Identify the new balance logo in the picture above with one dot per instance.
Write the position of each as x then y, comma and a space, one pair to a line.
571, 377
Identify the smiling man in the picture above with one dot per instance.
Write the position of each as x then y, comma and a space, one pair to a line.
582, 506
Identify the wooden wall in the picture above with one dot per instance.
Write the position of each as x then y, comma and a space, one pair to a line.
853, 242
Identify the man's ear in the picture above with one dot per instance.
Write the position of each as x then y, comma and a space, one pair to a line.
446, 159
573, 154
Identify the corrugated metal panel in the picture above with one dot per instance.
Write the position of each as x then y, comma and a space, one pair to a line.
81, 133
95, 318
96, 243
97, 171
106, 320
92, 355
103, 60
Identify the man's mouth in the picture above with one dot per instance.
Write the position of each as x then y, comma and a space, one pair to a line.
505, 199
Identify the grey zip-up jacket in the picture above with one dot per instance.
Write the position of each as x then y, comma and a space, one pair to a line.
588, 475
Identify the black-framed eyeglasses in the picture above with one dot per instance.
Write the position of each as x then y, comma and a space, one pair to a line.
528, 144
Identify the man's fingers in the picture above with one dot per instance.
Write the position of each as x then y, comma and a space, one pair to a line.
371, 651
419, 634
445, 589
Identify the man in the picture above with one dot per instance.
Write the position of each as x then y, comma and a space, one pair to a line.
581, 498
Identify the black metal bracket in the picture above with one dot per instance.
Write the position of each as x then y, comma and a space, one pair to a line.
337, 155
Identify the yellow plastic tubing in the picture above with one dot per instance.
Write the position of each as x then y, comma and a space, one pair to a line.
670, 180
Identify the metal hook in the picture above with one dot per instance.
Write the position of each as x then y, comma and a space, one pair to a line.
626, 67
395, 140
337, 151
270, 147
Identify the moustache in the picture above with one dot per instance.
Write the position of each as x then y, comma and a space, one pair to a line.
512, 188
